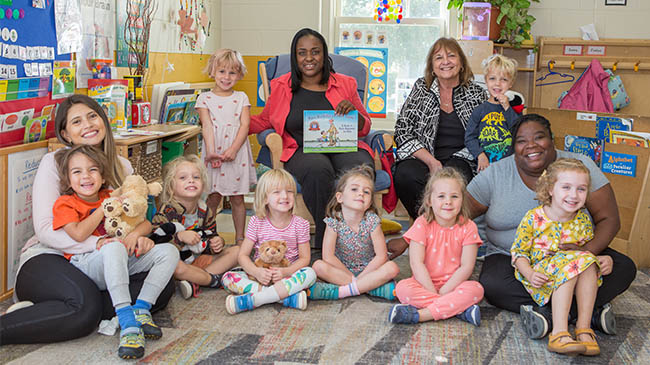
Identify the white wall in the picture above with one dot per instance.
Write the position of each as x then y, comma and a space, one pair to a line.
266, 27
562, 18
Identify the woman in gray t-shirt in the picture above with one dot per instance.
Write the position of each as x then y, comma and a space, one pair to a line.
504, 192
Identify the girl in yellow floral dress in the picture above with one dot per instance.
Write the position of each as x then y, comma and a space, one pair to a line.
546, 270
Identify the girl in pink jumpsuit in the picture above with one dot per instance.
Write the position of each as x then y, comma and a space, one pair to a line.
443, 243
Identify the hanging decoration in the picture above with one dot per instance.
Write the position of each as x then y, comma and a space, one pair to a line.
387, 10
194, 24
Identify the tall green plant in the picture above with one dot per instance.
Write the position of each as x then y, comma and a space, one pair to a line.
518, 22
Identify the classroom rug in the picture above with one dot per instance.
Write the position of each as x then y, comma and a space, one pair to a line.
349, 331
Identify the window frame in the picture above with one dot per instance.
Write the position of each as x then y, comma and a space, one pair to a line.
443, 22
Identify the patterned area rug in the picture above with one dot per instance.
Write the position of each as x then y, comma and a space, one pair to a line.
349, 331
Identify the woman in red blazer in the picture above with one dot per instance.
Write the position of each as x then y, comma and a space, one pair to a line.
312, 84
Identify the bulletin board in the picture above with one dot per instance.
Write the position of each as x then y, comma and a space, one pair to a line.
18, 166
35, 29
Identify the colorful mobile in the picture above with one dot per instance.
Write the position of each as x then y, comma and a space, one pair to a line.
388, 10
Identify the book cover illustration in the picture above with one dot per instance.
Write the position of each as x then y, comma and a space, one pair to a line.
605, 124
112, 96
324, 131
191, 116
588, 146
174, 113
630, 138
63, 80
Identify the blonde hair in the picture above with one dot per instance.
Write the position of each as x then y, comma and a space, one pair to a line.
169, 172
333, 209
450, 44
228, 58
270, 180
548, 179
501, 63
63, 157
426, 209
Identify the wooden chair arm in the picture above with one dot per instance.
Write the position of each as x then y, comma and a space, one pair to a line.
274, 143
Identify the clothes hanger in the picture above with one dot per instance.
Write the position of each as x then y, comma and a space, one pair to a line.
565, 77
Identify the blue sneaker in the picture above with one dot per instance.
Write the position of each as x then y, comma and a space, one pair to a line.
298, 301
403, 313
323, 291
386, 291
239, 303
471, 315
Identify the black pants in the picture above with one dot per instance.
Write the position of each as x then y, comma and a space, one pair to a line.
316, 173
410, 177
503, 290
67, 304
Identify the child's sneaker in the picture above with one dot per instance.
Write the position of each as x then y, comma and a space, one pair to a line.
298, 301
403, 313
189, 290
239, 303
386, 291
150, 329
322, 290
131, 343
471, 315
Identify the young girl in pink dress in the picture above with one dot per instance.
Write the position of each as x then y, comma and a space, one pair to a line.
225, 117
443, 243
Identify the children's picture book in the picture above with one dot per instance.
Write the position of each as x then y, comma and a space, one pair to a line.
63, 80
175, 96
324, 131
588, 146
630, 138
174, 113
112, 96
605, 124
191, 116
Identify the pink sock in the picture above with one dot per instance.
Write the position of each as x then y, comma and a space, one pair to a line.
349, 290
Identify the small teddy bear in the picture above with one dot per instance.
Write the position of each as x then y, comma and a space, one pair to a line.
271, 253
127, 206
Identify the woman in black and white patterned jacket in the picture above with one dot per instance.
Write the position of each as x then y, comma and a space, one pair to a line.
430, 129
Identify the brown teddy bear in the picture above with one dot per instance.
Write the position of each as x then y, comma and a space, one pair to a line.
127, 206
271, 253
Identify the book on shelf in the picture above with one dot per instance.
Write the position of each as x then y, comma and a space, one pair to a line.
631, 138
605, 124
588, 146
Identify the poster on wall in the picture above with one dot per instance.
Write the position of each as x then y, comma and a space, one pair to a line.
22, 170
376, 60
260, 87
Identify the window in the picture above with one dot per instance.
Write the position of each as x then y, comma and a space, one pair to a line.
423, 22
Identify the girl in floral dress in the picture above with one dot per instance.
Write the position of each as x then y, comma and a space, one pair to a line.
355, 258
225, 118
544, 264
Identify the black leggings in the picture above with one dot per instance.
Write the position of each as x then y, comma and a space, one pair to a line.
316, 173
503, 290
411, 176
67, 304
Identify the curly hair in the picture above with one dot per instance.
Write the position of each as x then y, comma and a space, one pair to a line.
548, 179
63, 157
169, 173
426, 209
333, 208
269, 181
